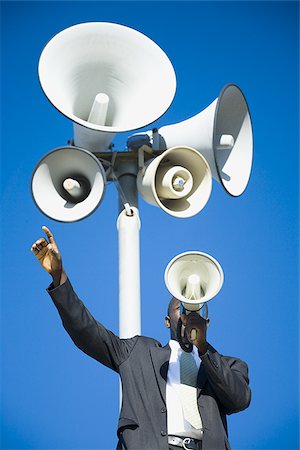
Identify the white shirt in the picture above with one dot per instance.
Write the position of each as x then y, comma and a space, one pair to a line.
177, 425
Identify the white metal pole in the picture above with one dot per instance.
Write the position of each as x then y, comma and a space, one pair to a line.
128, 225
129, 273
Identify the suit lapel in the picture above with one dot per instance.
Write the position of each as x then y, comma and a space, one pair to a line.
160, 360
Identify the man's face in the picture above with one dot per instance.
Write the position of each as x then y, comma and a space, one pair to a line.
171, 320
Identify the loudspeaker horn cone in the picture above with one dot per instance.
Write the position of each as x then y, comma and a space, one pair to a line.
233, 159
194, 278
107, 78
68, 184
178, 181
222, 133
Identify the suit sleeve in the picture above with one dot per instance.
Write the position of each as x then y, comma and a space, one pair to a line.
229, 380
87, 334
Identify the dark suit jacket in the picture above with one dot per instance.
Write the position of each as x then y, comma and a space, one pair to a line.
143, 365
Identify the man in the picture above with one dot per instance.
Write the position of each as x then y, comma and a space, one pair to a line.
171, 399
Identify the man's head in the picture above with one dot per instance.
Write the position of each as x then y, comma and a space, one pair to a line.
172, 317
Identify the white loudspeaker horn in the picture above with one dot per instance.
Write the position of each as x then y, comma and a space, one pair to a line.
222, 133
179, 181
194, 278
68, 184
106, 78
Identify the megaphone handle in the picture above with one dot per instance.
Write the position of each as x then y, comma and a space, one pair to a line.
193, 334
185, 347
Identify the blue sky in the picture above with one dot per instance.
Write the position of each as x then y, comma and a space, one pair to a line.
54, 396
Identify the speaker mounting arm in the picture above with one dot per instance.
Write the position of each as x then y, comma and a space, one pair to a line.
142, 151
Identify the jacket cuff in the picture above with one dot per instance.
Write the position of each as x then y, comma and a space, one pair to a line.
210, 355
52, 290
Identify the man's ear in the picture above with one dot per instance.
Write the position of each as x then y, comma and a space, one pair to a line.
167, 321
207, 323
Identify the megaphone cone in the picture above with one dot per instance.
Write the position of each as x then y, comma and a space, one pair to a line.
194, 278
68, 184
106, 78
178, 181
222, 133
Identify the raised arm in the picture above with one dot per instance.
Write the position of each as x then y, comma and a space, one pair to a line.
87, 334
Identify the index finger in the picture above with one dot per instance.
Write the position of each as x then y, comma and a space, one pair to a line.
49, 235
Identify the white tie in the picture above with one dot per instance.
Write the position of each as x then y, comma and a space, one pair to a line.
188, 391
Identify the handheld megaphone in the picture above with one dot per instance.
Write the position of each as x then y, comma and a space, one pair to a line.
193, 278
107, 78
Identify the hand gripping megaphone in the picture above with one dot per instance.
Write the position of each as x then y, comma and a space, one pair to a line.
222, 133
107, 78
193, 278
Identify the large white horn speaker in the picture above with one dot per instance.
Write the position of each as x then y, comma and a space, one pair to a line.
106, 78
222, 133
179, 181
68, 184
194, 278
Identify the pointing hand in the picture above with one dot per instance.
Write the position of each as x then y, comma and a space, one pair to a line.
48, 254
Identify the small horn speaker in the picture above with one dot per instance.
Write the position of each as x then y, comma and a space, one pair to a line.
179, 181
68, 184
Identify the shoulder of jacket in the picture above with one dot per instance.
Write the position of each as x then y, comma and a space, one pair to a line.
233, 360
149, 342
213, 354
